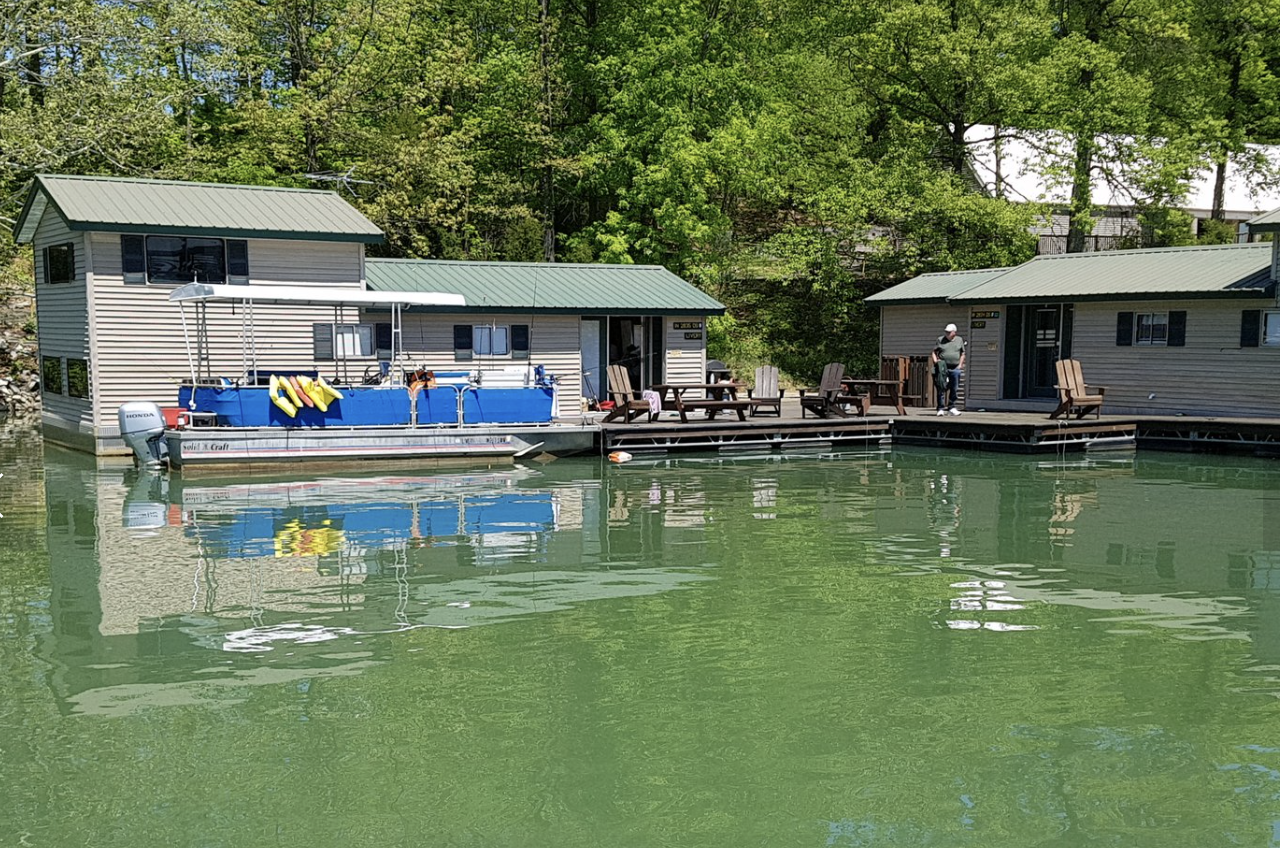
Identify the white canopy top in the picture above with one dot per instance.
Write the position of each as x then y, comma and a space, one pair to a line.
313, 295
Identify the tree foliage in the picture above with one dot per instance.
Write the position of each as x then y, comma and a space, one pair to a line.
790, 159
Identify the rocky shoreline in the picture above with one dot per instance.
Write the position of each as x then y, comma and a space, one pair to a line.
19, 372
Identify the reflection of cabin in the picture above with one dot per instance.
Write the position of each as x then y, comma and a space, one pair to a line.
1192, 330
109, 251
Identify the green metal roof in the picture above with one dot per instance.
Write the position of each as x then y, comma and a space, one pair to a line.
1265, 223
1209, 271
114, 204
1229, 270
546, 287
937, 286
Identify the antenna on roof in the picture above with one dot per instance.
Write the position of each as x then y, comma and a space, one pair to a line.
347, 180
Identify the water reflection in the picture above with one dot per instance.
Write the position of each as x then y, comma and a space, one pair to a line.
890, 648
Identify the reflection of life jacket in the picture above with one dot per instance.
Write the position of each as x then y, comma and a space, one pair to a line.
273, 392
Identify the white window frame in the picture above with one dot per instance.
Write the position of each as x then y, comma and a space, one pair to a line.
1270, 335
1154, 320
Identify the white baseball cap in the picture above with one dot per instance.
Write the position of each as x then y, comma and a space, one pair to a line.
950, 328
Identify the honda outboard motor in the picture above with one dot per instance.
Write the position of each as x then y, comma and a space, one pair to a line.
142, 428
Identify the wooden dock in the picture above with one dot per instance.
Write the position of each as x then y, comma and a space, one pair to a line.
1009, 432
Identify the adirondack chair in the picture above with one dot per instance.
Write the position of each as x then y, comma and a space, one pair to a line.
625, 403
829, 397
766, 394
1073, 393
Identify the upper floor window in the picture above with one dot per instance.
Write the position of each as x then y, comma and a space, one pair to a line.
184, 259
59, 263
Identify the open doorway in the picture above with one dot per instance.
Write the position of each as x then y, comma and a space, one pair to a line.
1036, 337
635, 342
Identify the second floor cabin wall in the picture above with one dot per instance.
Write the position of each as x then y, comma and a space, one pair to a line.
62, 318
140, 351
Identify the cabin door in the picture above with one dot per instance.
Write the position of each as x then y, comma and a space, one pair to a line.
1045, 331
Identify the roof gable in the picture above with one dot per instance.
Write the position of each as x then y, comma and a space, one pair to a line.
115, 204
546, 287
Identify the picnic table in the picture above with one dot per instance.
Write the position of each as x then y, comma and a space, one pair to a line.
715, 397
872, 387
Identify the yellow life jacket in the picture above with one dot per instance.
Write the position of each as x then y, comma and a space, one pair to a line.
273, 392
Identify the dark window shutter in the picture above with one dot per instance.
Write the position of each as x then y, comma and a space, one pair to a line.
1124, 329
1250, 326
519, 341
1177, 329
462, 343
322, 342
238, 262
382, 340
133, 260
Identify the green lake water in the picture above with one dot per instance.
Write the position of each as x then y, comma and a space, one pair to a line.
898, 648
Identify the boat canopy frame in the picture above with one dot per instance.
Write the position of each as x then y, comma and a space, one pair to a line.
200, 294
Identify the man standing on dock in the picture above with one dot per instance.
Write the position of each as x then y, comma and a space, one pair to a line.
948, 366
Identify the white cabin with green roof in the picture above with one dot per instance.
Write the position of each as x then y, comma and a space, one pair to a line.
109, 251
1185, 330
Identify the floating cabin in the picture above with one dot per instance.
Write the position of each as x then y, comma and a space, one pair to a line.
1167, 331
110, 251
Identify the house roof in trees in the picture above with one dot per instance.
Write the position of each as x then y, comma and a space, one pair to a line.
936, 286
160, 207
1268, 223
544, 287
1216, 271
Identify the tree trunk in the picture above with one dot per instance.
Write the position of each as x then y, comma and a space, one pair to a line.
1220, 178
1081, 221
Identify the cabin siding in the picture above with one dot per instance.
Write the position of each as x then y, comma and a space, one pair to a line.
913, 330
126, 314
553, 344
983, 357
1210, 375
62, 317
686, 359
306, 263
